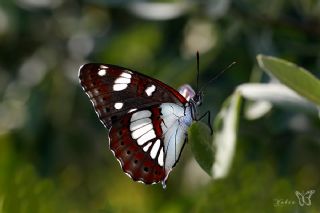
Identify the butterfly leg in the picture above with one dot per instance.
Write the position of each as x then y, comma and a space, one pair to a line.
209, 120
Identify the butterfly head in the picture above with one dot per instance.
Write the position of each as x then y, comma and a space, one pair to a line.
197, 99
190, 95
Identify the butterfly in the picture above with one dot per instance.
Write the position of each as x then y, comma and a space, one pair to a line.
305, 198
147, 119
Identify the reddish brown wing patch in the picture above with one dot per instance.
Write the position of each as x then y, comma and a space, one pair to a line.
133, 159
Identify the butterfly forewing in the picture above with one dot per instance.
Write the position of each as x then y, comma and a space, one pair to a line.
115, 90
145, 132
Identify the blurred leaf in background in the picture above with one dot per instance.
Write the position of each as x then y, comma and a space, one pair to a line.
54, 153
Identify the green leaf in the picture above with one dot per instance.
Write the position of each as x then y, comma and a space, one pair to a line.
201, 145
296, 78
266, 95
215, 154
225, 135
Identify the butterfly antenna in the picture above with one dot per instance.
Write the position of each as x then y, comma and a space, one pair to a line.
218, 75
198, 70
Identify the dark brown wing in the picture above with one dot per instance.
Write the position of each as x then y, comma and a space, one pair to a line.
107, 85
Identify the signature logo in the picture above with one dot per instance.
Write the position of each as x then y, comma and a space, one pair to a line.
305, 197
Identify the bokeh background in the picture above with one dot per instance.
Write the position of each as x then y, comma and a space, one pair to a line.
54, 153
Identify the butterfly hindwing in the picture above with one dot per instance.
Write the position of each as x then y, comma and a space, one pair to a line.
136, 141
148, 142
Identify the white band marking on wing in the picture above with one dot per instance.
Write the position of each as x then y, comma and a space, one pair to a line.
146, 147
160, 158
140, 114
141, 131
155, 149
146, 137
139, 123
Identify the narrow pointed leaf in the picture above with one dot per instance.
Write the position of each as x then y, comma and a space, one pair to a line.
294, 77
274, 94
225, 135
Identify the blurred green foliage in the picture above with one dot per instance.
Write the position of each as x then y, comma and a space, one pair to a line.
54, 153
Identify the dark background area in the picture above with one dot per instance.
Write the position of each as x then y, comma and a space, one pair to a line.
54, 153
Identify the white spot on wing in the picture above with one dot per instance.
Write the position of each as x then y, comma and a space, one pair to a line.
104, 67
121, 80
140, 114
95, 92
141, 131
126, 75
119, 87
150, 90
118, 105
102, 72
128, 71
132, 110
160, 158
155, 149
139, 123
146, 137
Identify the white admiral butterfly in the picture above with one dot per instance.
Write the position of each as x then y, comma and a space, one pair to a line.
147, 119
